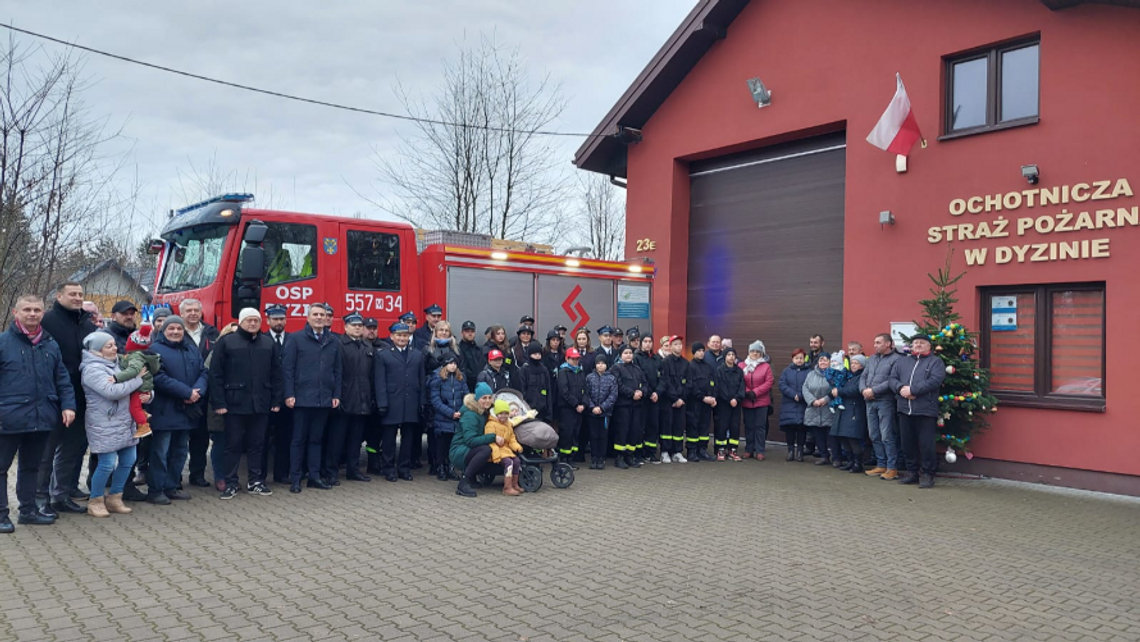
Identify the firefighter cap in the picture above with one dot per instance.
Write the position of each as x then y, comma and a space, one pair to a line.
605, 330
399, 327
468, 325
409, 315
276, 311
525, 328
353, 317
526, 320
433, 309
371, 323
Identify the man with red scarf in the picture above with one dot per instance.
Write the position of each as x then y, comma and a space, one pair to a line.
37, 395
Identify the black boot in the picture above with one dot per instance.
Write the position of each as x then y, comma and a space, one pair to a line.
791, 453
925, 480
619, 462
633, 460
6, 526
855, 467
569, 461
909, 477
822, 461
441, 473
464, 489
601, 463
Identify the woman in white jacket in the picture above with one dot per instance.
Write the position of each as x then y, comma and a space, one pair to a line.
110, 429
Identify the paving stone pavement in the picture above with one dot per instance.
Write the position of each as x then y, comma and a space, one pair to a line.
729, 552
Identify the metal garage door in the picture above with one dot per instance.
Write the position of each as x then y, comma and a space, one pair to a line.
488, 297
766, 247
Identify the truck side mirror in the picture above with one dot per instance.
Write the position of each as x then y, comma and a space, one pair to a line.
253, 264
155, 246
247, 289
255, 232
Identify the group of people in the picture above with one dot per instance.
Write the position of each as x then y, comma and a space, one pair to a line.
144, 398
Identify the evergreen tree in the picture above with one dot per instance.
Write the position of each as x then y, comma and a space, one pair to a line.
965, 398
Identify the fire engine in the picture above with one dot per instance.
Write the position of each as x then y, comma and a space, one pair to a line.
230, 256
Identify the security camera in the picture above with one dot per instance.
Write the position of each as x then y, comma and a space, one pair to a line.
1030, 173
760, 94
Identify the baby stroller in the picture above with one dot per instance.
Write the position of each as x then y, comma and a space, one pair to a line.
539, 440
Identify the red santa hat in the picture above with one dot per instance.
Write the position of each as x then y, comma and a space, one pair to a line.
139, 339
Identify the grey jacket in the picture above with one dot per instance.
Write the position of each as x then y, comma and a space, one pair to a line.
817, 387
877, 375
924, 375
108, 420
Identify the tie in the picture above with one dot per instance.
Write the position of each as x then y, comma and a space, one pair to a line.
277, 338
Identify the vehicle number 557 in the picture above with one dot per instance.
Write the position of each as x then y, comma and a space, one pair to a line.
363, 302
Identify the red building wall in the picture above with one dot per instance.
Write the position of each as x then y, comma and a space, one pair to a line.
830, 65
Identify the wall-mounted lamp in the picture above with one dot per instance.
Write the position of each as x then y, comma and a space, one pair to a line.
1030, 173
760, 94
886, 218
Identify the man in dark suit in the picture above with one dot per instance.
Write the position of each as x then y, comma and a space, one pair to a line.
400, 395
281, 422
312, 368
58, 484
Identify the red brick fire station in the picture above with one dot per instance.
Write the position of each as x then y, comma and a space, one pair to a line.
769, 215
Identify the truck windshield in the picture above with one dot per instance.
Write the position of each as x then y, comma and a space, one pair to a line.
194, 257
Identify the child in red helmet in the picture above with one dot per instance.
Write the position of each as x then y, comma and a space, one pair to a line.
137, 357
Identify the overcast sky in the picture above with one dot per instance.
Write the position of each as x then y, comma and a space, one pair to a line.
349, 52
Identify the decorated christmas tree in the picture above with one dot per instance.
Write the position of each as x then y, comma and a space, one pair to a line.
965, 400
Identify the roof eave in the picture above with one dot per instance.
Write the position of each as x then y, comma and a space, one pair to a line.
707, 23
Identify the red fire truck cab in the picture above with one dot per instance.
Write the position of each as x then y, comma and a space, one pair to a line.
230, 256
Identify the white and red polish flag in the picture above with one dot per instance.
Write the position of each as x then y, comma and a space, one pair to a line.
897, 129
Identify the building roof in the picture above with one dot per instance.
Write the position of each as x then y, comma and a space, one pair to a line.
708, 22
142, 276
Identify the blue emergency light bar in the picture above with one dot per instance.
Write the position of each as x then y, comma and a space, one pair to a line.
224, 198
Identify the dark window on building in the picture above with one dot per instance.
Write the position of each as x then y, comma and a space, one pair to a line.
993, 88
373, 261
1044, 345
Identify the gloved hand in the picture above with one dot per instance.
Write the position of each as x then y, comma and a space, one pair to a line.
749, 395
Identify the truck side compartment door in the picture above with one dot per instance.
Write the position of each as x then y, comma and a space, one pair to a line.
374, 283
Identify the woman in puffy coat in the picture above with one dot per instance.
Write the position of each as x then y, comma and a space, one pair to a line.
442, 344
179, 387
850, 426
601, 395
793, 406
471, 446
819, 415
447, 389
758, 381
110, 429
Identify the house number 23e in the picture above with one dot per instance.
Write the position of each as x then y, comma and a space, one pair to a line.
646, 245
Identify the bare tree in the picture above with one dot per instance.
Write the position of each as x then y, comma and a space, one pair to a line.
602, 216
486, 171
56, 196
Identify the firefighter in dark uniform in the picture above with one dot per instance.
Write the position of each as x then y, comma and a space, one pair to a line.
700, 404
471, 357
628, 423
401, 393
675, 385
346, 430
649, 362
423, 335
372, 431
572, 403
